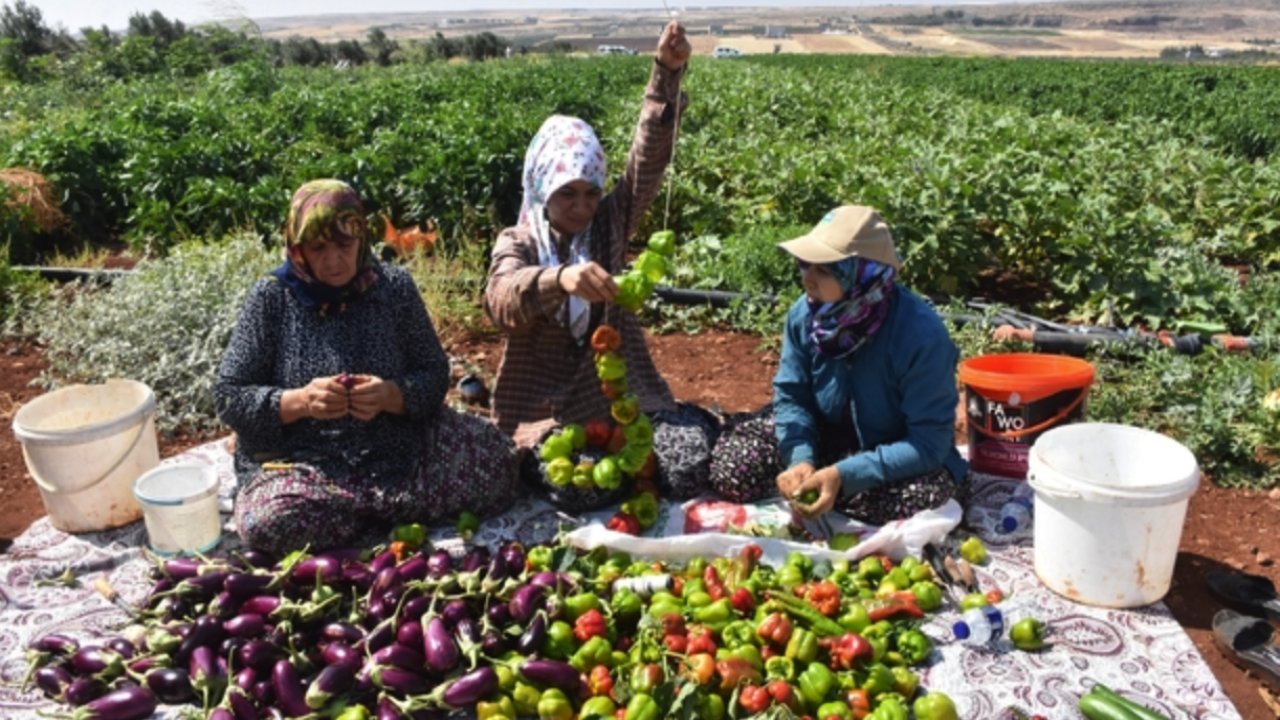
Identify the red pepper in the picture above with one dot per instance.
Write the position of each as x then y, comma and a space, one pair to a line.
701, 640
743, 601
678, 644
847, 649
736, 671
590, 624
825, 597
744, 564
775, 628
754, 699
624, 523
783, 694
673, 624
600, 681
903, 603
859, 703
715, 586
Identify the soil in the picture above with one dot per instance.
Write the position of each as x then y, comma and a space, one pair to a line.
1224, 528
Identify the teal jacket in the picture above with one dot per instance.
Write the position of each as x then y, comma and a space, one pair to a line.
900, 387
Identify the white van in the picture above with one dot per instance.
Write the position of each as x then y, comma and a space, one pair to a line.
724, 51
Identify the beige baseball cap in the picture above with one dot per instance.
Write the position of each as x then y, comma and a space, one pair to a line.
847, 231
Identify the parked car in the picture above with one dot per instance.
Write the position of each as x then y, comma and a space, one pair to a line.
724, 51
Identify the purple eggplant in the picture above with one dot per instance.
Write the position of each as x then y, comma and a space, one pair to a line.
144, 664
171, 685
384, 559
56, 645
259, 655
439, 648
400, 656
335, 653
332, 681
204, 669
221, 713
554, 673
263, 693
291, 697
466, 631
476, 558
246, 625
84, 689
121, 647
525, 602
533, 636
242, 705
439, 564
245, 585
382, 635
97, 661
514, 556
455, 610
261, 605
386, 579
415, 568
245, 679
495, 643
399, 681
132, 703
471, 688
357, 576
181, 568
257, 559
341, 632
387, 710
324, 569
410, 634
499, 614
203, 586
497, 568
415, 607
53, 680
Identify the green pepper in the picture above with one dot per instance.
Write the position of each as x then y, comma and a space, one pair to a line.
467, 525
411, 534
711, 707
559, 643
802, 647
607, 475
526, 697
889, 708
540, 557
356, 712
836, 708
720, 611
660, 610
905, 682
917, 570
663, 242
575, 606
879, 680
610, 366
646, 651
600, 707
816, 684
692, 586
780, 667
595, 651
633, 289
973, 550
878, 629
895, 579
879, 646
738, 633
644, 506
800, 560
855, 618
870, 568
501, 707
973, 600
506, 677
646, 677
626, 606
935, 706
928, 595
915, 647
696, 599
554, 705
749, 653
643, 707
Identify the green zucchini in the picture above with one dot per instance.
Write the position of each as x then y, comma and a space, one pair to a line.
1141, 711
1097, 706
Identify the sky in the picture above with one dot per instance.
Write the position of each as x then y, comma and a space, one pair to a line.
76, 14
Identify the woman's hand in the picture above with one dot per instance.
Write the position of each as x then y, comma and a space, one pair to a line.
673, 47
827, 483
589, 281
324, 398
789, 480
370, 395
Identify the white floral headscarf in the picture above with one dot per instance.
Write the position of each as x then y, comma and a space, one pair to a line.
565, 149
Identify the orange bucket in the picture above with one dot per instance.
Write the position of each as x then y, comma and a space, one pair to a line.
1011, 399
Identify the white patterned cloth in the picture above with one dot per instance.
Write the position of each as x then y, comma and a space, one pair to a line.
1143, 654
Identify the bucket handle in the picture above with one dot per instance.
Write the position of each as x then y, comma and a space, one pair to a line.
52, 489
1057, 417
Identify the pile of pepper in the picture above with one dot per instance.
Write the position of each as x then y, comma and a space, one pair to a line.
552, 632
650, 266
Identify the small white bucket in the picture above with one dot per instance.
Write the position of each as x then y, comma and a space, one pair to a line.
1110, 502
180, 505
84, 445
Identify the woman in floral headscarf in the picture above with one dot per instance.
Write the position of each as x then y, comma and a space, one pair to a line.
334, 382
551, 279
865, 395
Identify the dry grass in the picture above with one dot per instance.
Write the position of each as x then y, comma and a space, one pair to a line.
31, 194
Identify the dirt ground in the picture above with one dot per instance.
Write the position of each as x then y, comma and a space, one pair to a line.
1224, 528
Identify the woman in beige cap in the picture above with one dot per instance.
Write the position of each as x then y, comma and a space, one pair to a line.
865, 394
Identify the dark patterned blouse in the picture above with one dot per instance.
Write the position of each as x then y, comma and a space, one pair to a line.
278, 344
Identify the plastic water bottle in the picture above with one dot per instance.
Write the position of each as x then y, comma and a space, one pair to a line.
1016, 513
979, 626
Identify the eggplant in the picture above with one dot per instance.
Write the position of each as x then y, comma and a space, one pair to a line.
439, 564
203, 586
466, 631
471, 688
410, 634
250, 558
242, 705
341, 632
499, 614
54, 644
357, 576
476, 558
386, 579
221, 713
291, 697
554, 673
171, 685
455, 610
415, 568
122, 647
384, 559
324, 569
400, 656
387, 710
181, 568
514, 556
53, 680
223, 605
382, 635
497, 568
162, 641
245, 679
259, 655
204, 667
439, 648
399, 681
206, 632
261, 605
132, 703
415, 607
533, 636
245, 625
332, 681
83, 690
245, 585
495, 643
146, 663
525, 602
263, 693
97, 661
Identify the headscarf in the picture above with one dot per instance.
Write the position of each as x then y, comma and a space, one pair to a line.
836, 329
565, 149
325, 209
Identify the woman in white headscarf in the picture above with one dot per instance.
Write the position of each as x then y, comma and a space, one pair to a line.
551, 279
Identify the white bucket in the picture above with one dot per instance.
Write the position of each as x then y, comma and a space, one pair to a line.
84, 445
1110, 501
180, 505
